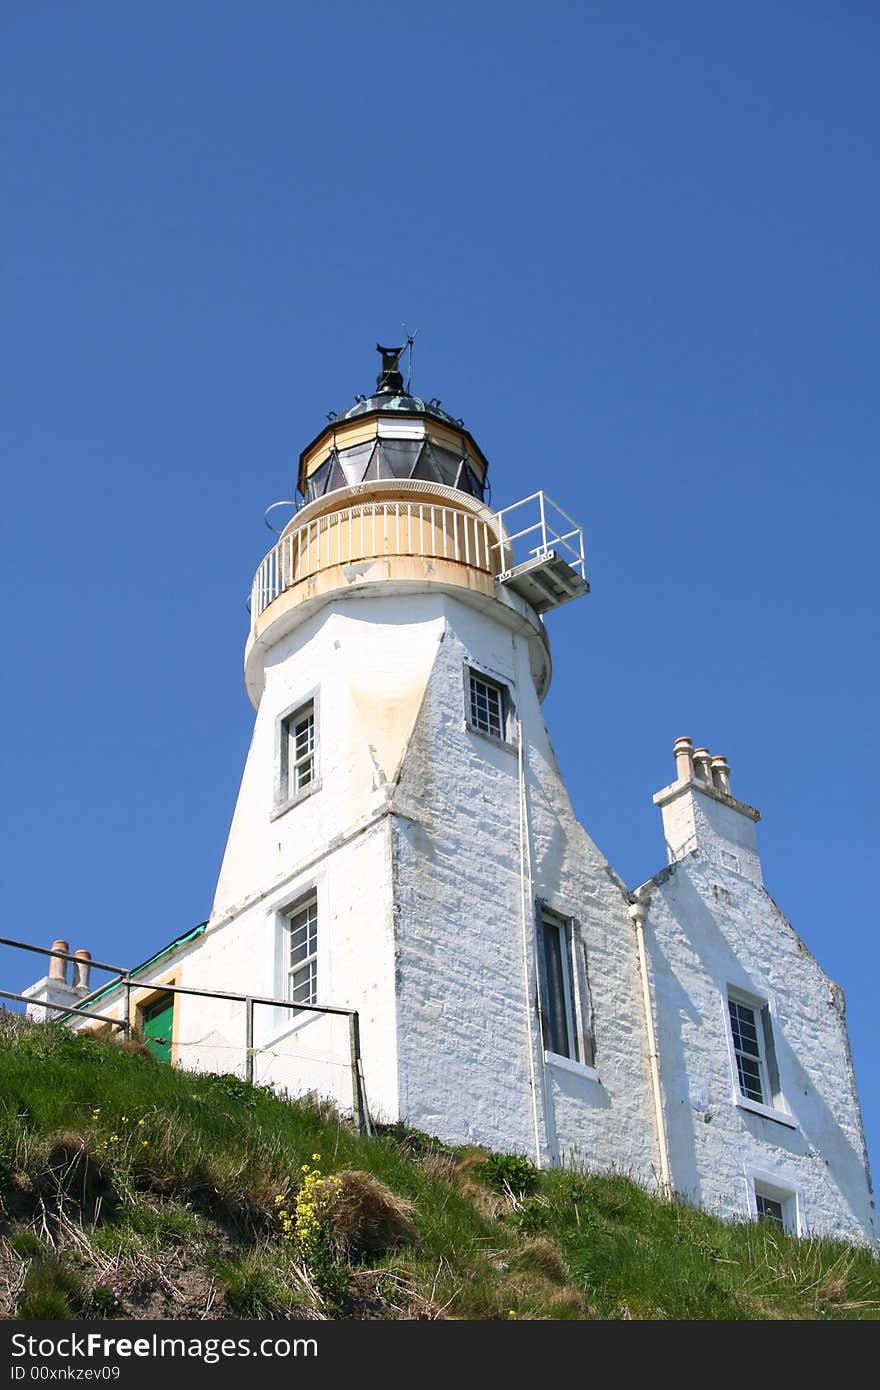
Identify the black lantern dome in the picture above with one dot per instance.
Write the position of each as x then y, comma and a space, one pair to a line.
392, 435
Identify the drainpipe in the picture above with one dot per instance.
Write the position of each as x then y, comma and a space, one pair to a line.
638, 911
527, 922
527, 916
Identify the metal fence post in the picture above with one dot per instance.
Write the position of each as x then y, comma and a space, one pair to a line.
127, 1006
249, 1039
354, 1034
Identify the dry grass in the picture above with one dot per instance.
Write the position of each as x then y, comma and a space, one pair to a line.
364, 1216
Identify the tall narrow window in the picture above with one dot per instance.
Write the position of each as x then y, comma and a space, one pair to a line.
297, 752
754, 1053
302, 973
301, 750
751, 1069
563, 991
558, 1013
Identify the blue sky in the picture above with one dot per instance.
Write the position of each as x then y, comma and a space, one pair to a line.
640, 244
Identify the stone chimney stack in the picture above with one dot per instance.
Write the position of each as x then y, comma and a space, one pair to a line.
56, 988
700, 814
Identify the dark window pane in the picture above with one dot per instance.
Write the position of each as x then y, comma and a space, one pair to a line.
354, 461
770, 1210
749, 1078
555, 966
486, 707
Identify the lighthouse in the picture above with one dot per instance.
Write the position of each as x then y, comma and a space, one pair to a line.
409, 920
402, 843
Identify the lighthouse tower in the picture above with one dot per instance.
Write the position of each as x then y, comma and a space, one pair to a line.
402, 842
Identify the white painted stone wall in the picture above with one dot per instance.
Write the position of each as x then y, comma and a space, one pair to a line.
466, 998
712, 926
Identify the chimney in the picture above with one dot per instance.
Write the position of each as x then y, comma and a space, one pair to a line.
57, 966
701, 814
683, 752
54, 988
82, 969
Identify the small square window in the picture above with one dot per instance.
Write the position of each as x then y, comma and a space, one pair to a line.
296, 755
769, 1209
778, 1206
488, 706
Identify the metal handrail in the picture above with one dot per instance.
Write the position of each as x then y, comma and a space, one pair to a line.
372, 530
551, 538
127, 982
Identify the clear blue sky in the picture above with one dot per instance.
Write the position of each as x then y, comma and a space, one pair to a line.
641, 244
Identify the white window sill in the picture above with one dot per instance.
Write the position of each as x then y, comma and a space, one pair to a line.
293, 1023
508, 745
282, 806
767, 1112
553, 1059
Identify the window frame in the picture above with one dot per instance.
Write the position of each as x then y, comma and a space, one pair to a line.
773, 1107
507, 710
766, 1186
580, 1059
310, 960
759, 1057
285, 765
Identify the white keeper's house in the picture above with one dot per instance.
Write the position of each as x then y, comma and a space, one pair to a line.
403, 846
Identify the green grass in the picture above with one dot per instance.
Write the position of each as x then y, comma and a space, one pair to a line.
130, 1189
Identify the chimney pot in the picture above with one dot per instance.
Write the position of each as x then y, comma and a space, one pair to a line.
683, 752
58, 967
82, 969
721, 773
703, 765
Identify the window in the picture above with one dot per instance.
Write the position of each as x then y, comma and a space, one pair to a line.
563, 989
754, 1056
487, 705
778, 1206
296, 755
751, 1071
769, 1209
302, 961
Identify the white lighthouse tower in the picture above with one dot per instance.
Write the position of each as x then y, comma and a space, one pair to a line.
402, 843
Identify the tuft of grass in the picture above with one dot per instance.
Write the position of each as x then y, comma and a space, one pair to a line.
508, 1173
256, 1285
366, 1218
51, 1290
27, 1245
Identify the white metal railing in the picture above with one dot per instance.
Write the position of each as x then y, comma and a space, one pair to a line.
373, 530
547, 527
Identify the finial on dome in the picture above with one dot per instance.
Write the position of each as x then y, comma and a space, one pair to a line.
389, 382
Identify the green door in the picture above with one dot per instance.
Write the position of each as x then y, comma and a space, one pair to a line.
158, 1018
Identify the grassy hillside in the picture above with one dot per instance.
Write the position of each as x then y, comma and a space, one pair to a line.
131, 1190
